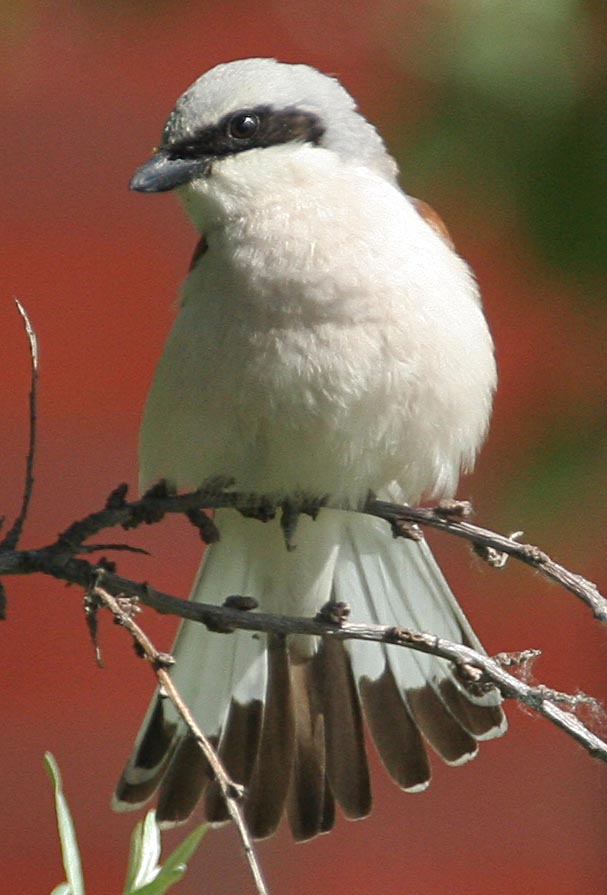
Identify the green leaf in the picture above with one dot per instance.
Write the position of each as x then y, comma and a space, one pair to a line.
162, 882
182, 854
67, 834
144, 854
175, 866
134, 862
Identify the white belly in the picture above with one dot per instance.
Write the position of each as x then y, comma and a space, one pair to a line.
290, 371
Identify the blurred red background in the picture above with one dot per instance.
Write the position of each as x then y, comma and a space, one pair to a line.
495, 114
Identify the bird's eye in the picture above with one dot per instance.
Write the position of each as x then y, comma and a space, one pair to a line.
243, 125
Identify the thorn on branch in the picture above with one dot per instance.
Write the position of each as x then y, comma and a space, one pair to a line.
219, 627
163, 660
149, 510
137, 647
235, 601
454, 509
91, 606
108, 565
473, 678
468, 674
537, 556
335, 612
292, 508
522, 658
130, 606
206, 527
126, 548
245, 604
235, 791
263, 509
160, 491
13, 536
404, 635
117, 498
402, 528
497, 559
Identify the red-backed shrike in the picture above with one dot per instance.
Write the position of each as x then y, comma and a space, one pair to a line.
329, 343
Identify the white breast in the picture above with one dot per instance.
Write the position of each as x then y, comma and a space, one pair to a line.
328, 342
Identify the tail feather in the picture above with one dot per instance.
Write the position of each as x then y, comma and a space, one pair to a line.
347, 770
240, 725
153, 748
403, 586
237, 750
286, 714
484, 722
306, 808
267, 792
328, 817
185, 781
446, 736
399, 742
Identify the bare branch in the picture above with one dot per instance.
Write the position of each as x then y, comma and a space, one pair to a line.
60, 560
486, 540
479, 670
228, 618
12, 537
447, 517
159, 662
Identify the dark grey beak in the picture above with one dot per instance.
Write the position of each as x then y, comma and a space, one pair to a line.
161, 172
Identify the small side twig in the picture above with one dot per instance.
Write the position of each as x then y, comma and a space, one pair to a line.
11, 539
159, 662
491, 545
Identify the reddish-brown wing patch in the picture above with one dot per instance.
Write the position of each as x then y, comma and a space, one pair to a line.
431, 217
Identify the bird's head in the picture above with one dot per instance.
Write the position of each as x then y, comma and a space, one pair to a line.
255, 106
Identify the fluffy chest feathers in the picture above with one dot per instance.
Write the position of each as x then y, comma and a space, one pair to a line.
328, 341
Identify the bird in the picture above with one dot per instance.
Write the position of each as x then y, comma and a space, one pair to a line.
329, 344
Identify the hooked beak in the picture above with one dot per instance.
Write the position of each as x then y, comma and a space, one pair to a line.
161, 172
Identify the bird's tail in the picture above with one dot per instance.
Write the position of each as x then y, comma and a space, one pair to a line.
286, 713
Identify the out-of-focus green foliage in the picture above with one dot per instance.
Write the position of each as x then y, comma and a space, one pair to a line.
562, 473
145, 875
70, 853
521, 114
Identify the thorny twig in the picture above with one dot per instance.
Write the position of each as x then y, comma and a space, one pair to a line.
60, 560
449, 519
478, 669
11, 539
228, 618
158, 502
159, 662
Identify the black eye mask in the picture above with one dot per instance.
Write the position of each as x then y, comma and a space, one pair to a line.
249, 129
